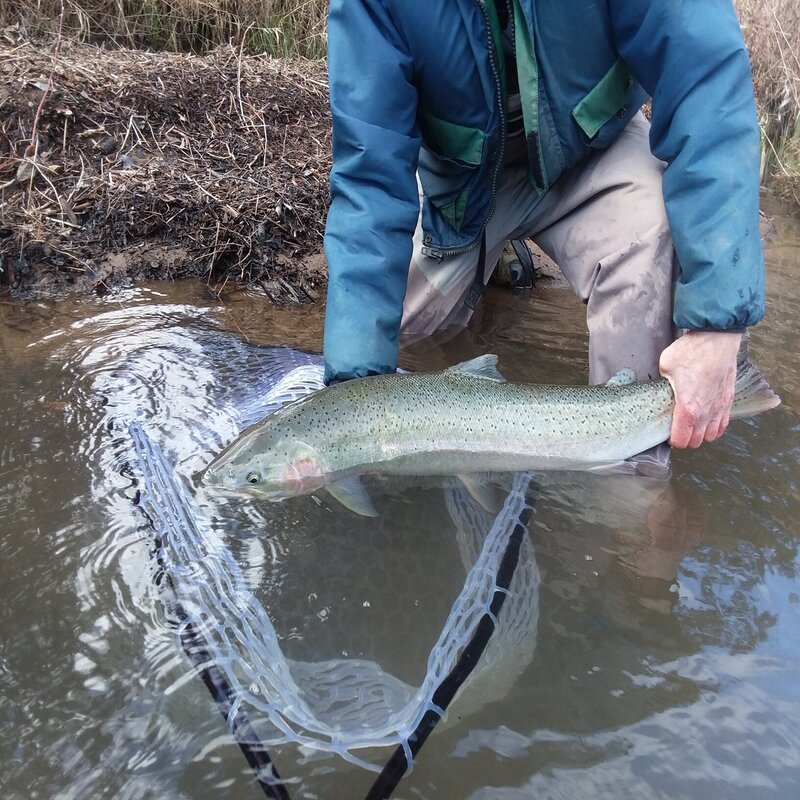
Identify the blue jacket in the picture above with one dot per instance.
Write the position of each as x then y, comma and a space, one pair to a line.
419, 85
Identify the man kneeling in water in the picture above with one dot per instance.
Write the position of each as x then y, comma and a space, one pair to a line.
462, 124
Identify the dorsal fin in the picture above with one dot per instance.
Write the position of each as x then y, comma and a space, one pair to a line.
484, 366
622, 378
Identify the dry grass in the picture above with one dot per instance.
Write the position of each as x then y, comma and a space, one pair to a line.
278, 27
297, 28
772, 32
213, 165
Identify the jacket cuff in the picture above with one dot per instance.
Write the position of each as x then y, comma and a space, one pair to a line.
713, 329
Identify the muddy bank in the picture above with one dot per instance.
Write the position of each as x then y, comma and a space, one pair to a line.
118, 166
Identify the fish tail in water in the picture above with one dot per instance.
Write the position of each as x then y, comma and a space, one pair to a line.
752, 394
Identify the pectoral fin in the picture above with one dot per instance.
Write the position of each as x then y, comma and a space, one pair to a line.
351, 494
484, 493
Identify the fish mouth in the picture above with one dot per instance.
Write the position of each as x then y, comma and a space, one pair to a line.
212, 480
212, 477
233, 492
209, 476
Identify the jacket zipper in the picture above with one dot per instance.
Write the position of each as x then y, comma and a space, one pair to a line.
440, 252
510, 8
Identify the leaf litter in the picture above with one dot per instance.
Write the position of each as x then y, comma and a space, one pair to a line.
124, 165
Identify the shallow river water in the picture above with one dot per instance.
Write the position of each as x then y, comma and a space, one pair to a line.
657, 643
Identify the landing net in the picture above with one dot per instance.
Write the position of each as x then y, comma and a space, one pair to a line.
340, 705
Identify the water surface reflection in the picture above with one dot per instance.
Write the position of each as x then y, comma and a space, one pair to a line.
663, 660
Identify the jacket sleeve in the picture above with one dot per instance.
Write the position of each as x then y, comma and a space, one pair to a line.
374, 196
691, 58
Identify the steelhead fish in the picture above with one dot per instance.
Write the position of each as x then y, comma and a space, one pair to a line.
461, 421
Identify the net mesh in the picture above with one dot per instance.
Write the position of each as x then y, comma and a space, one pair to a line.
338, 705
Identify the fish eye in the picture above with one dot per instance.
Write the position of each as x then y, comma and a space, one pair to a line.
253, 477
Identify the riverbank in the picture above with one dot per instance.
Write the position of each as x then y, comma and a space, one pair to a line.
120, 165
771, 31
124, 165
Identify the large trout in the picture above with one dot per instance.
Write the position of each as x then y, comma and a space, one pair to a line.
461, 421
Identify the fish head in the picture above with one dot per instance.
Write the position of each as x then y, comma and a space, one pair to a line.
266, 467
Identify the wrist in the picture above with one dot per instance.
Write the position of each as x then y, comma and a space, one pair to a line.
728, 340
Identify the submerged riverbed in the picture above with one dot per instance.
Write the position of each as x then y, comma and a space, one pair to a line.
661, 655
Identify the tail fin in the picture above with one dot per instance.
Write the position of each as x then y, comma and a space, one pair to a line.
752, 393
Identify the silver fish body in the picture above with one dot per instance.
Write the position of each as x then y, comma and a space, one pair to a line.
459, 421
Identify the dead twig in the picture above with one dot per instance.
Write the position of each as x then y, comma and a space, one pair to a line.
47, 90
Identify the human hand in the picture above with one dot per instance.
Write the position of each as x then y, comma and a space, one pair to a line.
701, 367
